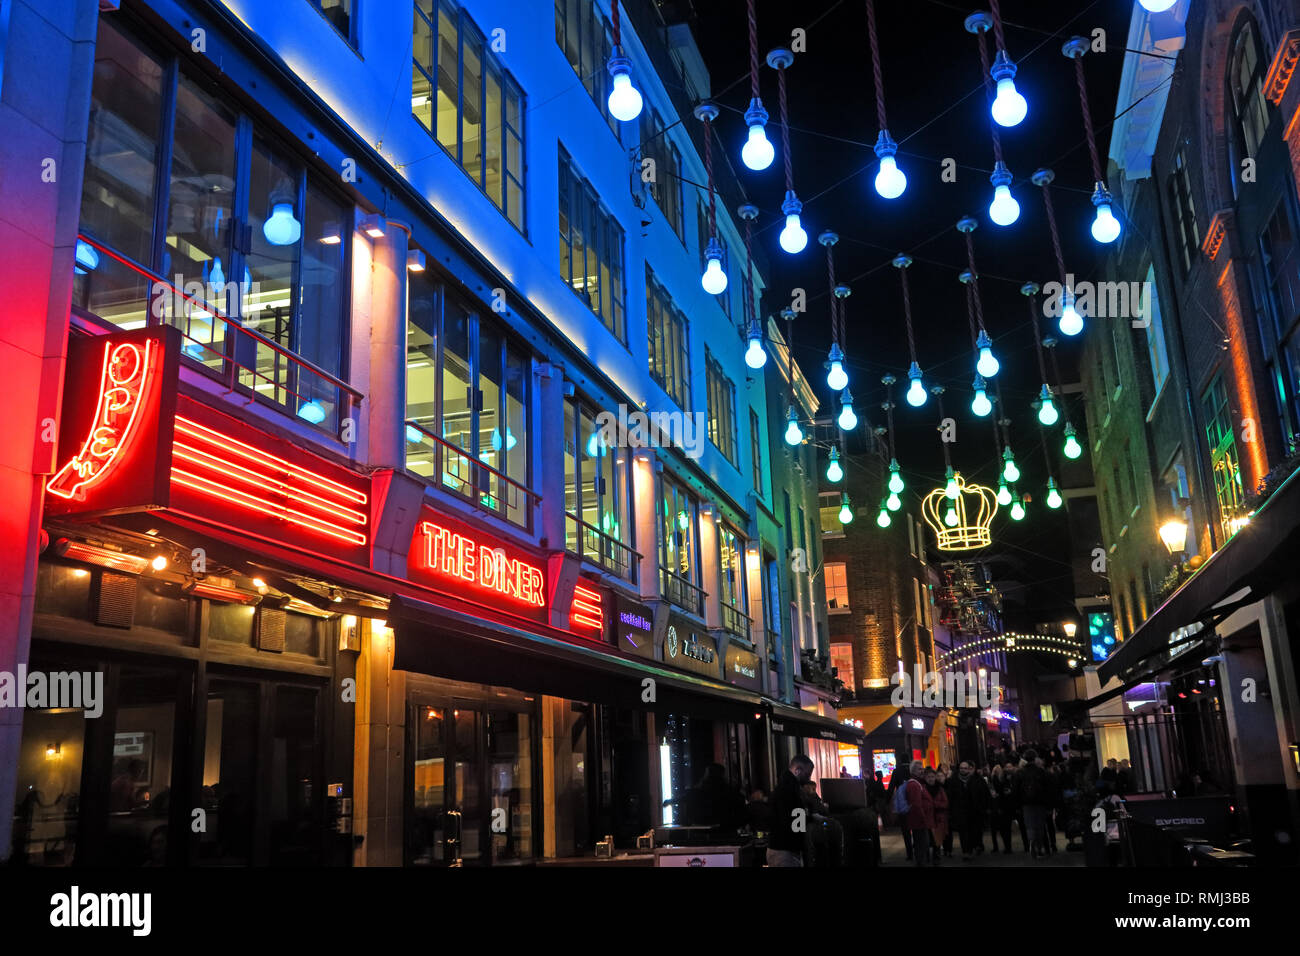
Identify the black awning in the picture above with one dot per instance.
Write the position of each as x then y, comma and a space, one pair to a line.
1258, 557
800, 723
456, 646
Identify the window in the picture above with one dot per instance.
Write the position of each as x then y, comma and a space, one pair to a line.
179, 183
722, 408
772, 577
702, 222
1246, 98
469, 103
586, 39
756, 451
678, 557
597, 494
466, 402
828, 513
731, 580
670, 363
666, 187
340, 17
1279, 274
837, 588
1224, 459
1185, 236
1155, 331
591, 249
842, 661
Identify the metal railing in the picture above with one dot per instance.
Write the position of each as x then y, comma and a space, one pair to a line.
600, 548
681, 592
734, 621
244, 359
456, 470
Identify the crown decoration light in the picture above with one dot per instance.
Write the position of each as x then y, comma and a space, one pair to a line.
974, 507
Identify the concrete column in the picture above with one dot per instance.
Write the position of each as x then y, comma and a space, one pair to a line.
645, 500
709, 572
548, 439
47, 57
379, 777
384, 407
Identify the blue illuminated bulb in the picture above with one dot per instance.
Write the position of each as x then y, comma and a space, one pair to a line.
893, 502
916, 393
757, 153
1156, 6
595, 446
793, 238
1047, 413
714, 279
755, 354
980, 405
1004, 494
1009, 107
511, 441
1004, 210
837, 380
1053, 494
834, 473
1009, 471
87, 257
1071, 322
217, 277
1072, 447
987, 364
312, 411
624, 100
895, 479
281, 228
890, 181
1105, 227
793, 433
848, 419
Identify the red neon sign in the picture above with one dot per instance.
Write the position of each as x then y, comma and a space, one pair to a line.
586, 608
126, 372
214, 464
487, 568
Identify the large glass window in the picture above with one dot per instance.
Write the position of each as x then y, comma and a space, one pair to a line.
339, 13
1279, 314
679, 558
666, 186
731, 580
1246, 98
597, 494
586, 38
756, 450
837, 587
1157, 351
476, 113
1224, 458
466, 402
722, 408
670, 361
591, 249
1185, 237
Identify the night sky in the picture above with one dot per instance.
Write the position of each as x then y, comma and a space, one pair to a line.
937, 107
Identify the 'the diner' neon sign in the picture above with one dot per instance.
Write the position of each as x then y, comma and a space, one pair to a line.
459, 556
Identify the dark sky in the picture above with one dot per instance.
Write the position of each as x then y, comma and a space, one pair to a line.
937, 108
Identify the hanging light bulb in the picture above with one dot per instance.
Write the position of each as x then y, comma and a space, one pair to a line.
987, 363
836, 378
1009, 107
893, 502
846, 513
755, 354
883, 519
1105, 228
980, 405
848, 419
793, 238
1018, 509
1009, 471
793, 433
950, 517
1072, 447
1004, 494
896, 484
1047, 413
87, 257
834, 473
757, 153
1053, 494
281, 228
624, 100
1004, 210
950, 487
916, 393
217, 277
714, 279
890, 181
1071, 322
1156, 6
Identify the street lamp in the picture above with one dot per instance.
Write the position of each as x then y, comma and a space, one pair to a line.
1070, 628
1174, 535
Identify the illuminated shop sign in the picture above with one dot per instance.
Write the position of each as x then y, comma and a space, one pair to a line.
485, 567
684, 647
586, 611
743, 667
633, 627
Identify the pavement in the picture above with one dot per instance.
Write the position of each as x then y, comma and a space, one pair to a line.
893, 853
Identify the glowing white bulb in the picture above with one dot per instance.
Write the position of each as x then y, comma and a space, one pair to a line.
896, 482
1053, 496
1156, 6
1018, 510
1072, 447
714, 279
846, 513
1071, 322
883, 518
950, 488
848, 419
624, 100
1004, 495
1010, 472
281, 228
1105, 228
834, 473
1004, 210
950, 518
793, 433
890, 180
987, 365
1009, 107
1047, 413
793, 238
757, 153
916, 393
981, 405
755, 355
893, 502
836, 378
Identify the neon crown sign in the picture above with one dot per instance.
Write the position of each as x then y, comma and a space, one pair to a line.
961, 522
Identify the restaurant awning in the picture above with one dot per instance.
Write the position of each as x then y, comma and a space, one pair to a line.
801, 723
1253, 562
434, 640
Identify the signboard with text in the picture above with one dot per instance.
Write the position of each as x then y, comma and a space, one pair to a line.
689, 647
743, 667
632, 626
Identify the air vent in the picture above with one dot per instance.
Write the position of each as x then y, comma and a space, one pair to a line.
116, 605
270, 629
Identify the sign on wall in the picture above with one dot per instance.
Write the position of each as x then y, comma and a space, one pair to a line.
686, 647
744, 669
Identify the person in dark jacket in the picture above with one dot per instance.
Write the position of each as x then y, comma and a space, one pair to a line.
920, 814
1001, 807
786, 844
715, 802
968, 808
1034, 794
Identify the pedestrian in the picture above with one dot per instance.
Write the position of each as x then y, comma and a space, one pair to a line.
939, 799
896, 804
1000, 814
1033, 794
919, 813
788, 839
968, 807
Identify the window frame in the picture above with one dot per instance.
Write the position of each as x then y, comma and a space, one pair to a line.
662, 315
722, 390
599, 222
833, 591
352, 37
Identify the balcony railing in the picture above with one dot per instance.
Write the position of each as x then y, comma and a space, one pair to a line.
244, 359
681, 592
734, 621
591, 544
433, 457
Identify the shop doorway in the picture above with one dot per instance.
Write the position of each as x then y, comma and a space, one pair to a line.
471, 772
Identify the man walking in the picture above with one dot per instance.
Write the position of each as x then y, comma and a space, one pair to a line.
790, 818
920, 814
1033, 792
968, 807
